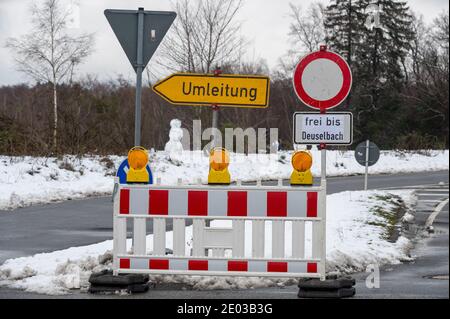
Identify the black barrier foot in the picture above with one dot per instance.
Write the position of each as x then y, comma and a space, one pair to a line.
106, 282
335, 287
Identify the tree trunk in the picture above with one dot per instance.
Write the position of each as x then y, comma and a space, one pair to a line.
349, 48
55, 119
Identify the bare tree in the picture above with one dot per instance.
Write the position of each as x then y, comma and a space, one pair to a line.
441, 33
307, 30
47, 53
429, 56
414, 62
205, 34
306, 33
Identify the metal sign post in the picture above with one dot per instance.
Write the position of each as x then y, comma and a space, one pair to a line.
215, 113
139, 69
139, 33
367, 165
367, 154
323, 199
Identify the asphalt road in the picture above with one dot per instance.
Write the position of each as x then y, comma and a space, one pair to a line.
52, 227
425, 278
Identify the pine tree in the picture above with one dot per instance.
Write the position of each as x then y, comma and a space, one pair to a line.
376, 55
342, 22
383, 51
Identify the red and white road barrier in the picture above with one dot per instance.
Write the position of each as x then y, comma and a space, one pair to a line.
192, 266
257, 205
216, 203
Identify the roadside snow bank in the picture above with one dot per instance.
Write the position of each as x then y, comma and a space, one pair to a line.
26, 181
363, 228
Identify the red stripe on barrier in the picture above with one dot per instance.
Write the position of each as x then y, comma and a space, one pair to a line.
276, 204
124, 202
198, 265
311, 209
277, 266
158, 264
311, 268
237, 204
124, 263
237, 265
198, 203
158, 202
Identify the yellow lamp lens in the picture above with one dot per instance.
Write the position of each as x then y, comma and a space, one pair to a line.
138, 158
302, 161
219, 159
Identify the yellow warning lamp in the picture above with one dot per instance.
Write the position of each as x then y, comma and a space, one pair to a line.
302, 162
138, 160
219, 160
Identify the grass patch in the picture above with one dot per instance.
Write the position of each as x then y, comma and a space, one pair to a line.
108, 164
67, 166
390, 212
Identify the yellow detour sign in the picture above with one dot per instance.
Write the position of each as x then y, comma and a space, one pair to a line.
206, 89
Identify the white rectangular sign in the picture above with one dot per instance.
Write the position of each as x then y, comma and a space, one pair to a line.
330, 128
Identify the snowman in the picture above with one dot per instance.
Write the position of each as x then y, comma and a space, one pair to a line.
174, 147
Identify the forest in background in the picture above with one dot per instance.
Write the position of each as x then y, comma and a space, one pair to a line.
399, 97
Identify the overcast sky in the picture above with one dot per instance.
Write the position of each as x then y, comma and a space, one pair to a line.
266, 25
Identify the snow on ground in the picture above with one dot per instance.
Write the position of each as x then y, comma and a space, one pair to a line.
26, 181
363, 228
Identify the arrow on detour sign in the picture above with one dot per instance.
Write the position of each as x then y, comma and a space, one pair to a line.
206, 89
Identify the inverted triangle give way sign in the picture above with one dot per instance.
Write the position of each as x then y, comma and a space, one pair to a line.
140, 32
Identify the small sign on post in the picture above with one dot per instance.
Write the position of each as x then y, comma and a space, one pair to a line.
330, 128
367, 154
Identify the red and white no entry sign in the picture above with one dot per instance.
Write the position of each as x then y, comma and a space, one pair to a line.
322, 80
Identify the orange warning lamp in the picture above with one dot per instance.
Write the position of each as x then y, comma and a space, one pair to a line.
138, 160
219, 160
301, 162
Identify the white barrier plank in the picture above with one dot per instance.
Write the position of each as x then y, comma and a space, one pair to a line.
218, 252
198, 249
179, 237
316, 244
278, 239
238, 249
120, 239
217, 238
159, 236
139, 232
258, 238
298, 239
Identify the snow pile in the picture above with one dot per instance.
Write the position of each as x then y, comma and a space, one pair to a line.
54, 273
27, 181
356, 238
365, 228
